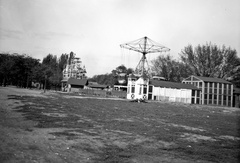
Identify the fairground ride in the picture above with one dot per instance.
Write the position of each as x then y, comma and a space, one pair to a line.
145, 46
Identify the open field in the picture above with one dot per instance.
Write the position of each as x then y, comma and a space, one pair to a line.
54, 127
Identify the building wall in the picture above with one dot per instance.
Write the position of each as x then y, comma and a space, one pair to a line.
236, 100
175, 95
140, 89
137, 88
214, 93
73, 88
218, 94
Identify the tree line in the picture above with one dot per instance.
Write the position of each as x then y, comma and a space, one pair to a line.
207, 60
23, 70
112, 78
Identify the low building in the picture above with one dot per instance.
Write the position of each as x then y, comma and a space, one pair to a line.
96, 86
143, 88
120, 87
173, 92
74, 74
137, 87
73, 85
214, 91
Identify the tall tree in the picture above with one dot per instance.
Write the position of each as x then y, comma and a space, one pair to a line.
6, 64
211, 61
111, 78
29, 64
62, 61
17, 69
71, 56
169, 68
50, 70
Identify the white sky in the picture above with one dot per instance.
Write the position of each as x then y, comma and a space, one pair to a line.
94, 29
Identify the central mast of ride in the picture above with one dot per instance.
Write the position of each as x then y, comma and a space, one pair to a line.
144, 54
144, 45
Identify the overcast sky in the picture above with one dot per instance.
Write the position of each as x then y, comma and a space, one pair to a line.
94, 29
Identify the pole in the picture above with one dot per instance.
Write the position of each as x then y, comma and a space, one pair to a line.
45, 83
144, 54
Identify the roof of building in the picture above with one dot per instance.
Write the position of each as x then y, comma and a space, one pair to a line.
81, 82
159, 78
167, 84
97, 86
144, 76
210, 79
92, 83
64, 80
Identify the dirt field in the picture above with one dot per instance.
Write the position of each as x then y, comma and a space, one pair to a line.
56, 128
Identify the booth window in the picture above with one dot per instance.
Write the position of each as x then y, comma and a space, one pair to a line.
144, 89
133, 89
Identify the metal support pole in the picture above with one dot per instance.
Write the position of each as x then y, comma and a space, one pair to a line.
45, 83
144, 54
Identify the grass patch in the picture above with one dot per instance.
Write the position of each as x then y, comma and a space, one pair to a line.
112, 120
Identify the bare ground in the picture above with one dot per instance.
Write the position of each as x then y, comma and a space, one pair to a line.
53, 127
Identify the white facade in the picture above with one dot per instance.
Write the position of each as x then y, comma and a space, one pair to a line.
172, 94
137, 88
140, 88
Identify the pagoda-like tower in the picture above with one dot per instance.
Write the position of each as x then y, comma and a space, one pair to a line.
74, 69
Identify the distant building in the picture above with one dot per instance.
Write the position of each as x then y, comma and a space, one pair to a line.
73, 85
74, 70
96, 86
122, 82
214, 91
74, 74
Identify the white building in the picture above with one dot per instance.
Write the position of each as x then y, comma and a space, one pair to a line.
143, 88
137, 88
173, 92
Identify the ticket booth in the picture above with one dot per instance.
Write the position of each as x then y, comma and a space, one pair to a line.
137, 88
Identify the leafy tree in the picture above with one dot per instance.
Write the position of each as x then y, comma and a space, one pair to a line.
105, 79
121, 69
71, 55
29, 64
130, 71
6, 64
211, 61
50, 69
62, 61
16, 69
204, 60
167, 67
111, 78
51, 61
